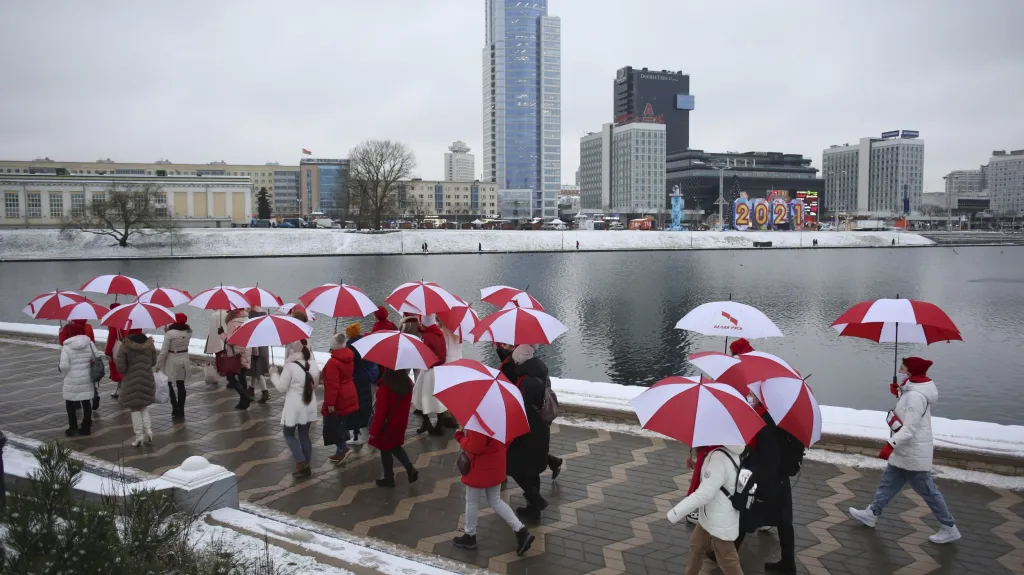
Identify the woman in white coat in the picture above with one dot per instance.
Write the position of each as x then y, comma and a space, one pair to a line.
423, 392
76, 357
296, 379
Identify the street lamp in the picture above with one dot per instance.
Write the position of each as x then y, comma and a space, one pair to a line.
720, 202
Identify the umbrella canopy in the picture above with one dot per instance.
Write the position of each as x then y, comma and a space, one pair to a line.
167, 297
478, 222
501, 296
697, 414
729, 318
395, 350
259, 297
220, 298
46, 304
516, 326
81, 310
288, 307
744, 369
138, 316
461, 322
422, 298
270, 330
338, 300
115, 284
897, 321
792, 405
481, 399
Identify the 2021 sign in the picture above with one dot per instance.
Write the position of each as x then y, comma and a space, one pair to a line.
763, 215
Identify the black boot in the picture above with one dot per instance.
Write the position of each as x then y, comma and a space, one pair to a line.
787, 543
524, 539
555, 465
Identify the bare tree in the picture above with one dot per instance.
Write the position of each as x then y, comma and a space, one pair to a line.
124, 211
375, 167
415, 207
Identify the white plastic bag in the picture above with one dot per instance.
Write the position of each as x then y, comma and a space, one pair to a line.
163, 392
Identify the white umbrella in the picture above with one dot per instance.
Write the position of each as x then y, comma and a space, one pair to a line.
729, 318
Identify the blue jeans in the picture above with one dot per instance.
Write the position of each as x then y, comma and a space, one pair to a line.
892, 482
297, 438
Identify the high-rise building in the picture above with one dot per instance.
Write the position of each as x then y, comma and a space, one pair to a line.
323, 187
622, 169
523, 102
459, 164
874, 176
964, 182
663, 94
1006, 182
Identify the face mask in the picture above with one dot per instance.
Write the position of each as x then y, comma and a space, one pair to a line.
903, 377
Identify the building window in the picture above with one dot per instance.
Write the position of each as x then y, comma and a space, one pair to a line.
56, 205
98, 198
77, 203
34, 205
11, 207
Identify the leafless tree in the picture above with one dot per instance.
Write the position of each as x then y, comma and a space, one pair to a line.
124, 211
415, 207
375, 167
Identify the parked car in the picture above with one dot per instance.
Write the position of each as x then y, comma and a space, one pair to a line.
294, 223
285, 224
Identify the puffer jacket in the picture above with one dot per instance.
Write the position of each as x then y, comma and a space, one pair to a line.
913, 443
486, 459
75, 358
173, 360
717, 515
339, 389
136, 357
244, 352
291, 382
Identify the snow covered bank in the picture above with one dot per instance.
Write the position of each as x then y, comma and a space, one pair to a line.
50, 244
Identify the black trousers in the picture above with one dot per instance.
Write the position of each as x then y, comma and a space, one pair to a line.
530, 484
177, 398
237, 382
73, 417
387, 461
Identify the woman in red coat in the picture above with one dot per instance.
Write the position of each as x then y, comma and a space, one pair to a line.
486, 472
340, 396
114, 335
390, 418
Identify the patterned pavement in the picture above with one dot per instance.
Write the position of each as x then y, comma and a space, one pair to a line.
607, 512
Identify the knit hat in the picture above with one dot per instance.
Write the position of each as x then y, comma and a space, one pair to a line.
180, 318
338, 341
381, 313
522, 353
917, 365
353, 330
739, 346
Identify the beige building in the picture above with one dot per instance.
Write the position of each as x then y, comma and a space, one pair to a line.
432, 198
198, 201
279, 180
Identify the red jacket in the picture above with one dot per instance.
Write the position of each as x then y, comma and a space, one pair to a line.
339, 388
487, 459
383, 325
114, 335
433, 337
394, 409
64, 331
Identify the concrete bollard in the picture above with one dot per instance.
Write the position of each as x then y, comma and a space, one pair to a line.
201, 486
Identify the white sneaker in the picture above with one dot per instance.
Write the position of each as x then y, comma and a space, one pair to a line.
693, 517
361, 437
945, 535
865, 516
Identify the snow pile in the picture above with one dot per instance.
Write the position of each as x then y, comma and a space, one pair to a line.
50, 244
23, 464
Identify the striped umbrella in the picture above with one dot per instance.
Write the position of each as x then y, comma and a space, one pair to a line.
82, 310
220, 298
697, 413
516, 326
423, 298
270, 330
46, 304
481, 399
138, 316
502, 296
115, 284
395, 350
167, 297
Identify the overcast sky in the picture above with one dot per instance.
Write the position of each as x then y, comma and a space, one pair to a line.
257, 80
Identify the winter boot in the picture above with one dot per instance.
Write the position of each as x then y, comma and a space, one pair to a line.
386, 482
147, 425
434, 428
524, 539
787, 541
137, 427
947, 534
465, 541
865, 516
555, 465
264, 396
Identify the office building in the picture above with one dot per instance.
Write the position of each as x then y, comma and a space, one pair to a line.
44, 199
964, 182
1006, 182
523, 102
459, 164
662, 94
622, 169
285, 200
323, 187
430, 198
873, 176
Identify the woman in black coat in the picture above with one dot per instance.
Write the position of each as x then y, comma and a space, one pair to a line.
364, 375
527, 455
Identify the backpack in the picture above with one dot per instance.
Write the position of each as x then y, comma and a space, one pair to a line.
743, 490
791, 453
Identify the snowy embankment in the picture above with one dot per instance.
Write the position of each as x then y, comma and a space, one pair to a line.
50, 244
964, 436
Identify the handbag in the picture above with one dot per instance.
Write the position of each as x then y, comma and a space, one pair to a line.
334, 429
96, 368
463, 463
228, 365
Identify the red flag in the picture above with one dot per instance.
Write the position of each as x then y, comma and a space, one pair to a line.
307, 152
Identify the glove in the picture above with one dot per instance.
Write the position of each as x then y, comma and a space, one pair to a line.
894, 389
886, 452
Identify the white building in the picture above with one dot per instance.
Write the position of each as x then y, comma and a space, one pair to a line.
522, 112
873, 176
459, 164
432, 198
1006, 182
964, 182
622, 169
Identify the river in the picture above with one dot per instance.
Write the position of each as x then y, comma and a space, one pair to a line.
621, 308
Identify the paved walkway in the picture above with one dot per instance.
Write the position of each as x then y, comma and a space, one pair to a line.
607, 512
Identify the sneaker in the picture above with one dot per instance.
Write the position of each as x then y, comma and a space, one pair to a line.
947, 534
340, 457
865, 516
524, 539
465, 541
693, 518
556, 469
360, 436
386, 482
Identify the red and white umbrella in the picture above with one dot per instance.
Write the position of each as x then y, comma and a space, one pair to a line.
82, 310
697, 414
46, 304
138, 316
897, 320
742, 370
792, 405
338, 300
395, 350
422, 298
270, 330
502, 296
461, 322
729, 318
259, 297
288, 307
115, 284
517, 326
167, 297
481, 399
220, 298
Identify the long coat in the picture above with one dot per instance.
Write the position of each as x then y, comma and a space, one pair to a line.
486, 457
764, 462
423, 392
259, 363
173, 360
75, 360
528, 454
291, 382
364, 374
135, 359
390, 419
339, 389
114, 335
214, 343
244, 352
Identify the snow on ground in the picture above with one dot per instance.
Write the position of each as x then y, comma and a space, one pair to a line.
23, 464
50, 244
203, 534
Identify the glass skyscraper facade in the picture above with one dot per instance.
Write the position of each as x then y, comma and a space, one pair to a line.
523, 101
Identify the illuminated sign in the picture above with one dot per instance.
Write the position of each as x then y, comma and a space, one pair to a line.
657, 77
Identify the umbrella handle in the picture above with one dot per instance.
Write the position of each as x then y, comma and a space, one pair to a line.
895, 348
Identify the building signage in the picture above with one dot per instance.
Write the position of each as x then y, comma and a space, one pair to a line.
892, 134
657, 77
648, 117
620, 76
910, 134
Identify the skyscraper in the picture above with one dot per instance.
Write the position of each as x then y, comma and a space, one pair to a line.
459, 164
664, 95
523, 101
875, 176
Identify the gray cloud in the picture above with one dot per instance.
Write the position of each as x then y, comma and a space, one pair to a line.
253, 81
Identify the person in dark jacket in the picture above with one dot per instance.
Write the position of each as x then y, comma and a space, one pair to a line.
387, 431
529, 364
505, 363
383, 323
259, 364
365, 375
528, 453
